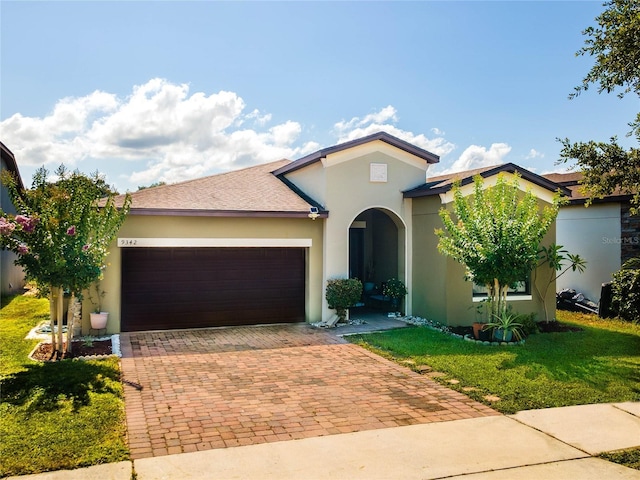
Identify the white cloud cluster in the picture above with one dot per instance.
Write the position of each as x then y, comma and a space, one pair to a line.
476, 156
533, 153
170, 134
179, 135
385, 120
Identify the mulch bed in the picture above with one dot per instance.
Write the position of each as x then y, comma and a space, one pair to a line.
544, 327
45, 353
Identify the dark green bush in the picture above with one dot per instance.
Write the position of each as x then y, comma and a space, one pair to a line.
625, 289
343, 293
529, 324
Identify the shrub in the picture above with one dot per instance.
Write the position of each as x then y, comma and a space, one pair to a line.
529, 324
394, 288
343, 293
625, 289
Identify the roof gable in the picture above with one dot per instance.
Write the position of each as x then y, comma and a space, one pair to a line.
443, 183
10, 161
380, 136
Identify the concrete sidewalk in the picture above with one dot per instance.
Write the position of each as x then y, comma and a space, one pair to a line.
555, 443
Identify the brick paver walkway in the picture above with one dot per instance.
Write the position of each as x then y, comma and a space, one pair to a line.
217, 388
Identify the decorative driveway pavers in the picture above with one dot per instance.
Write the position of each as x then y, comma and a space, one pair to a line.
217, 388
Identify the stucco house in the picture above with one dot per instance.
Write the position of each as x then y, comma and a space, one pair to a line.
12, 276
258, 245
604, 234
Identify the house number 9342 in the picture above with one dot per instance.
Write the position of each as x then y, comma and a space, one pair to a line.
127, 242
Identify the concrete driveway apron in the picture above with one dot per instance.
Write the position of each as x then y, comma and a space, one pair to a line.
224, 387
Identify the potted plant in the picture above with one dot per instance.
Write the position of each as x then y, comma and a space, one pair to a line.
395, 290
98, 317
343, 293
505, 327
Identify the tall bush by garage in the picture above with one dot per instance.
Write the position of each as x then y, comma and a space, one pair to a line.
343, 293
625, 289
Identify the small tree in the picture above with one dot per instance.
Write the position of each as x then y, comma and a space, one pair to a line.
554, 256
343, 293
495, 234
61, 235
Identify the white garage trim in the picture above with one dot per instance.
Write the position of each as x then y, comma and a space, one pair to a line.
213, 242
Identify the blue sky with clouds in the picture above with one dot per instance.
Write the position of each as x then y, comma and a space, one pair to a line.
149, 91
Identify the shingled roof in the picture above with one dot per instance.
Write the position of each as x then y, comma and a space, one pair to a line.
444, 183
571, 181
252, 191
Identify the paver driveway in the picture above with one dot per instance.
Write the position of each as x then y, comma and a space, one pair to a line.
224, 387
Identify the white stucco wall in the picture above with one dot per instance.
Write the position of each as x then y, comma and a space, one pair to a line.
342, 183
594, 234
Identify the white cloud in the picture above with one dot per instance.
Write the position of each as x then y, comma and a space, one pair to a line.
533, 153
437, 131
258, 118
384, 120
171, 134
476, 156
180, 135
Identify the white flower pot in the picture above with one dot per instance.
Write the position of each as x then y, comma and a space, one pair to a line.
99, 320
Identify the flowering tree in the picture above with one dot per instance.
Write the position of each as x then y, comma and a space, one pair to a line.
496, 235
61, 235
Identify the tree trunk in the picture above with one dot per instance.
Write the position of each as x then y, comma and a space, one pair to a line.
503, 299
70, 317
52, 318
60, 311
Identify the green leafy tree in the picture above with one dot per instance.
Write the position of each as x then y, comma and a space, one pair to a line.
61, 235
495, 233
615, 44
154, 184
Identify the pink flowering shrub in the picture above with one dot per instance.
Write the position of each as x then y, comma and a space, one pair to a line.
60, 237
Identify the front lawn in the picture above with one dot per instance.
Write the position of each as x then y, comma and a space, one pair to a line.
600, 364
54, 416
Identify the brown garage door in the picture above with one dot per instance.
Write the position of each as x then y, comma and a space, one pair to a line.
166, 288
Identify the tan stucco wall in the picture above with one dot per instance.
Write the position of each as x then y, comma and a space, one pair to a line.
349, 192
440, 291
312, 181
137, 226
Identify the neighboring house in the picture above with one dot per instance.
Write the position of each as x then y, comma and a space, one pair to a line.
12, 276
604, 234
258, 245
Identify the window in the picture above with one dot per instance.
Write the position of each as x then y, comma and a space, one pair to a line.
522, 288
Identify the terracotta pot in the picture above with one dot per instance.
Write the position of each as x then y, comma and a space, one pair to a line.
99, 320
477, 328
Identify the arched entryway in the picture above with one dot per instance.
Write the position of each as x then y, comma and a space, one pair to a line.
376, 251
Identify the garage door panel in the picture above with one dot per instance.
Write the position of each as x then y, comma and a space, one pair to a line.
165, 288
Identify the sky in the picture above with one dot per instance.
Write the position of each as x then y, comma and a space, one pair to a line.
167, 91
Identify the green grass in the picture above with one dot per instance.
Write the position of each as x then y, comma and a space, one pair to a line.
597, 365
628, 458
19, 314
54, 416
